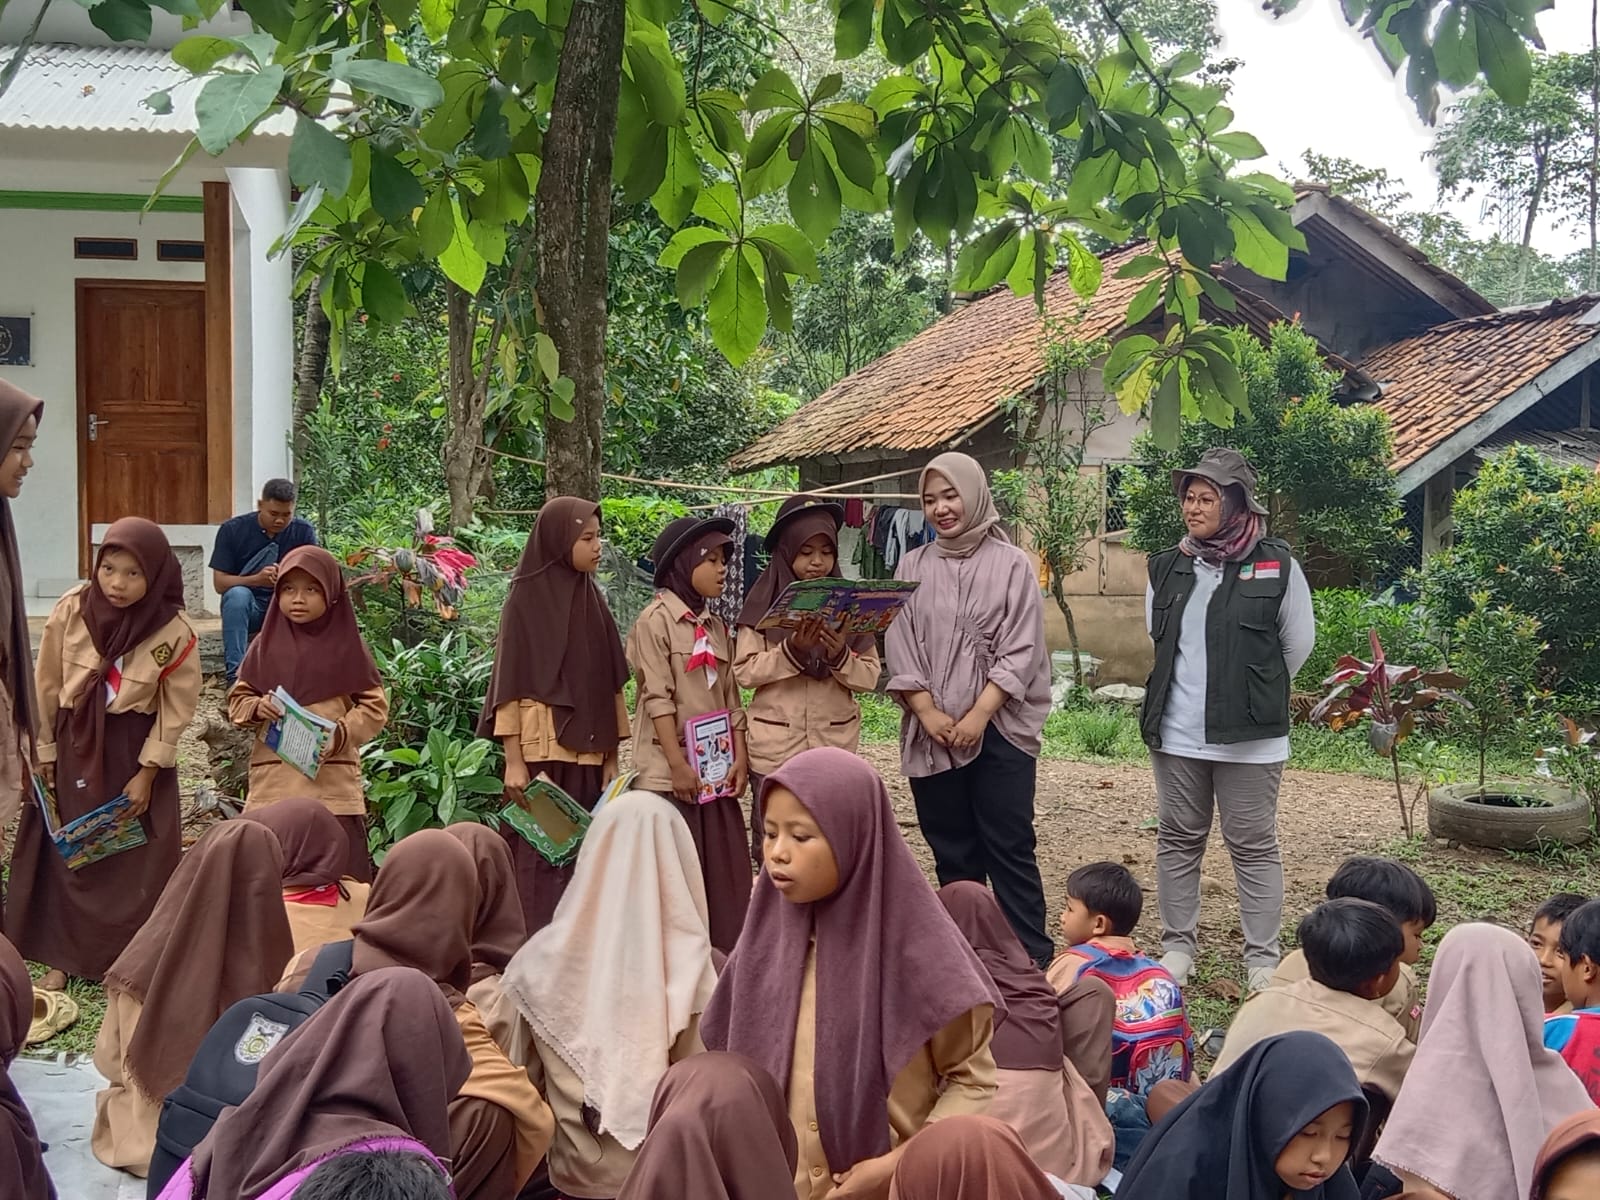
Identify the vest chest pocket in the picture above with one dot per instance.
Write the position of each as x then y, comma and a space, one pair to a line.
1161, 615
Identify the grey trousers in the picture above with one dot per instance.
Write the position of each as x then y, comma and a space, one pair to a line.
1246, 797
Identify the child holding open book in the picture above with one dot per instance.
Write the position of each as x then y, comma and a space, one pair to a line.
682, 659
311, 651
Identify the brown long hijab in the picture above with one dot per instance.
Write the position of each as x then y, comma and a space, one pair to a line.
799, 526
719, 1130
499, 928
21, 1154
316, 851
318, 660
383, 1058
1029, 1039
16, 654
558, 642
969, 1157
892, 968
218, 934
420, 913
116, 631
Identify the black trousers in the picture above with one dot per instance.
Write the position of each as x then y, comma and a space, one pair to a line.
978, 820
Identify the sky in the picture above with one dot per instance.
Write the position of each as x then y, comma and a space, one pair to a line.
1309, 80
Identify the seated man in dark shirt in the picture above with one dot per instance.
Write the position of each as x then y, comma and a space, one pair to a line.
244, 564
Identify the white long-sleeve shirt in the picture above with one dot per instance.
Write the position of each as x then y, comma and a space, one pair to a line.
1183, 721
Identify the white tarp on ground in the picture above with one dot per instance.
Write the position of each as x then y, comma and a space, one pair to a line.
61, 1097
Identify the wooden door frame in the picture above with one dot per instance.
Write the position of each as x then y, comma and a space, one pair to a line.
81, 291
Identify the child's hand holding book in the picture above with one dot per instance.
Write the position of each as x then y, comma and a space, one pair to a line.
270, 708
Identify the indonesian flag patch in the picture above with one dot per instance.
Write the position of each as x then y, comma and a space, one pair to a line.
1261, 570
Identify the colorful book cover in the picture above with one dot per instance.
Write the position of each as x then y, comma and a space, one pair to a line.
850, 606
300, 737
622, 783
98, 834
552, 822
708, 740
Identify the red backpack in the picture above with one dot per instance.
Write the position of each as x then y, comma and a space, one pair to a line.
1150, 1035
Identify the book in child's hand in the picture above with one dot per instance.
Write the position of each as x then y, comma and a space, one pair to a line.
622, 783
709, 742
550, 821
300, 737
98, 834
850, 606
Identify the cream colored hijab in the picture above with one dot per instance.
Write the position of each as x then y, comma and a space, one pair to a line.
982, 518
625, 964
1483, 1093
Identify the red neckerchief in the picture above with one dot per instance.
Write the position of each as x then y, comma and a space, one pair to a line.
702, 655
327, 896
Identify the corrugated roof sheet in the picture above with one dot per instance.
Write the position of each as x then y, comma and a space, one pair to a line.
949, 378
1565, 447
1438, 382
102, 89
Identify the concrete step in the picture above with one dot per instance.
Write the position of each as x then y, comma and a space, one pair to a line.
209, 629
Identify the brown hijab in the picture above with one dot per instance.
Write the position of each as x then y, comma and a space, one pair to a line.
16, 653
892, 969
218, 934
579, 672
1578, 1132
719, 1130
21, 1154
969, 1157
316, 851
382, 1059
320, 659
796, 526
116, 631
1030, 1037
499, 929
420, 913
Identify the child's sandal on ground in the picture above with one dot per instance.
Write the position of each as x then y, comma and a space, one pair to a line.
53, 1013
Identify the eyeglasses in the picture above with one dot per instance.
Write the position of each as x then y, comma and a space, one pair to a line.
1200, 500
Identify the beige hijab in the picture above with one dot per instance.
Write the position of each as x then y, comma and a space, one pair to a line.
625, 965
982, 519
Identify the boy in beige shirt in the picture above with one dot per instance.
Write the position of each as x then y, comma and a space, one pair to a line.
1353, 949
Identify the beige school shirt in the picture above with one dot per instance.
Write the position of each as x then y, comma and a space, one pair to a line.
338, 783
792, 711
659, 646
1371, 1039
1403, 1001
534, 724
150, 681
953, 1074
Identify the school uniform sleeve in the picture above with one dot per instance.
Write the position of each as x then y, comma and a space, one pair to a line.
756, 663
1020, 634
859, 672
1297, 625
650, 655
727, 687
1558, 1031
369, 713
47, 674
244, 705
965, 1063
1389, 1069
508, 719
178, 695
495, 1079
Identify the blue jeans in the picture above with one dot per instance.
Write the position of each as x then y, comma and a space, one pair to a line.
241, 617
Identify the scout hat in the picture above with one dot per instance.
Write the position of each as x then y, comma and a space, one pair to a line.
678, 536
793, 507
1222, 466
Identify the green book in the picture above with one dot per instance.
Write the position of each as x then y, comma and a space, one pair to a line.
552, 822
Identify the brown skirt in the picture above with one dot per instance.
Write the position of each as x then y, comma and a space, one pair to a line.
719, 835
539, 884
80, 921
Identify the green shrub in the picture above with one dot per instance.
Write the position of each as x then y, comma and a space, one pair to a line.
1497, 650
434, 686
1344, 617
444, 781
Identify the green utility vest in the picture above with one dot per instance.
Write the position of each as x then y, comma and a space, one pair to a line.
1247, 681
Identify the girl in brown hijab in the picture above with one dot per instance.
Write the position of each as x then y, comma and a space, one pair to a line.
969, 1158
718, 1131
311, 647
322, 901
555, 699
497, 934
806, 679
375, 1069
421, 913
118, 681
217, 935
21, 1155
20, 415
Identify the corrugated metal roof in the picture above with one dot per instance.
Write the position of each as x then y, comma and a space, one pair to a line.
102, 89
1441, 380
1565, 447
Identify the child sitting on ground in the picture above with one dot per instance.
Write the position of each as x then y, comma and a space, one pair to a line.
1408, 897
1575, 1035
1544, 935
1150, 1029
1352, 949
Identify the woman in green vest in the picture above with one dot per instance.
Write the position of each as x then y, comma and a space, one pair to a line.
1230, 613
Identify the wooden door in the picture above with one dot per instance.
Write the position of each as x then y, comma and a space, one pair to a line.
141, 402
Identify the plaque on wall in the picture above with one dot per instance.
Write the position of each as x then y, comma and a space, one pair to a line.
16, 338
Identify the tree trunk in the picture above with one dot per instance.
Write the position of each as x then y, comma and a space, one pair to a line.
1059, 593
572, 225
466, 465
1535, 197
310, 369
1592, 278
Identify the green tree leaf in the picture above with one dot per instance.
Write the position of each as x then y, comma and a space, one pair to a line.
396, 192
792, 251
400, 82
697, 268
737, 309
461, 262
200, 53
656, 73
1503, 55
1254, 248
464, 84
317, 155
1455, 47
852, 33
686, 240
814, 193
491, 134
231, 103
122, 20
382, 294
436, 17
437, 226
775, 90
1084, 267
1239, 145
986, 260
549, 358
680, 183
1166, 409
720, 205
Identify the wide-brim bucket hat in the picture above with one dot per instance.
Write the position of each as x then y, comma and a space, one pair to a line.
1222, 466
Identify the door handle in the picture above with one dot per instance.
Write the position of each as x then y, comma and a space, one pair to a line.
95, 422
